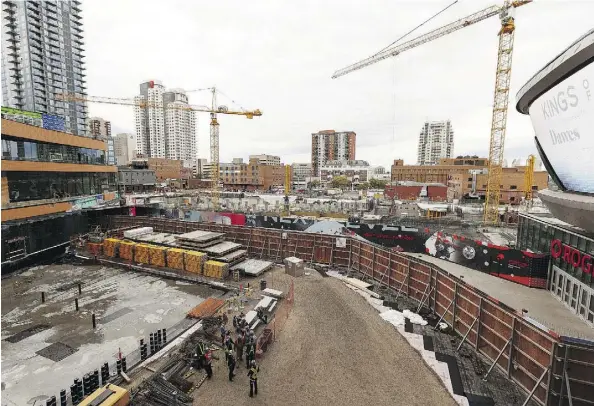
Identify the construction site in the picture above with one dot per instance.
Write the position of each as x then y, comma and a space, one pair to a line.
219, 296
136, 298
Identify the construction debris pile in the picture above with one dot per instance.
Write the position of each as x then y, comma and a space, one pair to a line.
168, 386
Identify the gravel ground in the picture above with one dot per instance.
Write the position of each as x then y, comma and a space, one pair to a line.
334, 349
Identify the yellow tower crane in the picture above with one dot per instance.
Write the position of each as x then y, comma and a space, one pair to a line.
529, 177
502, 81
214, 109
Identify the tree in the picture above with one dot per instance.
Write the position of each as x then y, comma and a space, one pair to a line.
377, 183
363, 186
340, 182
313, 184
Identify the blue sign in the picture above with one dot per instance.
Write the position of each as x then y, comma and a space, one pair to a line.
53, 122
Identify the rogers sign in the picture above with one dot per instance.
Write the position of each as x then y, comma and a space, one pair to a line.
572, 256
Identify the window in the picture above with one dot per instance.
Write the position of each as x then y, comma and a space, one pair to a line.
513, 187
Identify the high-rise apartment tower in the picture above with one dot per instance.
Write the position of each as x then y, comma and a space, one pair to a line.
165, 128
329, 145
98, 128
436, 141
42, 45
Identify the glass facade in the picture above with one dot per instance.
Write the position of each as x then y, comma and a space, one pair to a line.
42, 57
26, 150
26, 186
537, 236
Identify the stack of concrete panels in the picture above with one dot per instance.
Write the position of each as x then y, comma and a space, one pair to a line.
221, 249
294, 266
137, 232
253, 267
199, 239
233, 257
126, 250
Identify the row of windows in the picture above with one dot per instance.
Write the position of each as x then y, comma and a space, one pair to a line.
20, 150
537, 237
26, 186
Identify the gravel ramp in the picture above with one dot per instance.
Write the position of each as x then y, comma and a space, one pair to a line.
333, 349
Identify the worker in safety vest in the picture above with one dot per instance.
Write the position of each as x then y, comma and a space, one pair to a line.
231, 365
200, 353
253, 374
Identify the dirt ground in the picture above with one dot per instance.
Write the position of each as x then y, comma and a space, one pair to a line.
334, 349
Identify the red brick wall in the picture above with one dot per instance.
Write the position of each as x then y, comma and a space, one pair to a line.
404, 192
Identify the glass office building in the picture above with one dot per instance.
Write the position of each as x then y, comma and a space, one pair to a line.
571, 265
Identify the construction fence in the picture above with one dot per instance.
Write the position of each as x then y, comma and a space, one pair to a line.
552, 370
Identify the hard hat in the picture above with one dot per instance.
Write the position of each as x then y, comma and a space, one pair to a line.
253, 363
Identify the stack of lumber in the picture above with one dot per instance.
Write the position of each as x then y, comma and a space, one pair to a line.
94, 248
175, 258
157, 255
142, 254
216, 269
126, 249
110, 246
208, 308
194, 261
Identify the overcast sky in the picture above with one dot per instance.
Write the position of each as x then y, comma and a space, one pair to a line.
278, 56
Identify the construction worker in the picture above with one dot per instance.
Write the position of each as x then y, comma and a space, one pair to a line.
253, 374
208, 363
250, 354
239, 343
223, 333
261, 316
200, 353
231, 365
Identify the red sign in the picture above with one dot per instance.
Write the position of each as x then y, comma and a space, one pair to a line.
572, 256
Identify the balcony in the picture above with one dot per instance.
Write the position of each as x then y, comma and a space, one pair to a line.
53, 30
8, 7
35, 22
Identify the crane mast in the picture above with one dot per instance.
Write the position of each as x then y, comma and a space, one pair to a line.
529, 177
214, 151
499, 120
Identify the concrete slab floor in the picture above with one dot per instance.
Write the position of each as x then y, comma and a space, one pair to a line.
128, 306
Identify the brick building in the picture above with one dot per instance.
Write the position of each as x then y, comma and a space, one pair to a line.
251, 176
466, 176
434, 192
329, 145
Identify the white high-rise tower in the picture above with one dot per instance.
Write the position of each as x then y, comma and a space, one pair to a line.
165, 128
436, 141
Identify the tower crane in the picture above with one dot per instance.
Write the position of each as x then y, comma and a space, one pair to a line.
529, 177
214, 109
502, 81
